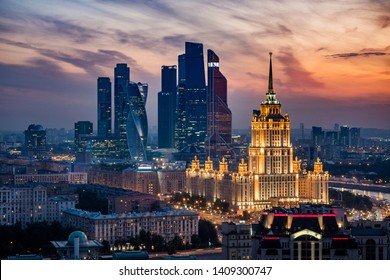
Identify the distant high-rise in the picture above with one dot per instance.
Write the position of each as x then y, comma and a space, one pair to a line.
167, 107
355, 137
302, 129
83, 133
35, 140
192, 82
180, 112
121, 88
137, 122
344, 136
317, 136
104, 107
219, 116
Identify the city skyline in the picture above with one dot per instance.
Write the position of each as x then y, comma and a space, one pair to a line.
334, 67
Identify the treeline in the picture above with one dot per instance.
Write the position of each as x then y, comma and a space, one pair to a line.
199, 202
34, 239
351, 200
207, 236
374, 171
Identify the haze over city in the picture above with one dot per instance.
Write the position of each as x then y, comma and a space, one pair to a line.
331, 58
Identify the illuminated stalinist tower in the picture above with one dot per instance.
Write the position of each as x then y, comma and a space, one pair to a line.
270, 151
272, 177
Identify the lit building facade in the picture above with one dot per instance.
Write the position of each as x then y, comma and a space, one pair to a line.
271, 176
104, 107
219, 116
137, 121
311, 232
29, 204
35, 140
166, 222
83, 136
236, 241
131, 124
71, 178
122, 108
191, 127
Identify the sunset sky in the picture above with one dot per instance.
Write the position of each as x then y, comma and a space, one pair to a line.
331, 59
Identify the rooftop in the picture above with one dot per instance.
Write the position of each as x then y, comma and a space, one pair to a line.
166, 211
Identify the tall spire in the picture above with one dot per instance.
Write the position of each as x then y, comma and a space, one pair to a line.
270, 95
270, 80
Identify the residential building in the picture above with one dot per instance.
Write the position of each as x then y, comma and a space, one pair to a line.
166, 222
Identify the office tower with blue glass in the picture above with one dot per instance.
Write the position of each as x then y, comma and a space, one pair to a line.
191, 126
167, 107
104, 107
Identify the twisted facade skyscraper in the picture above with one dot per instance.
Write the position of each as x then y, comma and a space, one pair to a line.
137, 121
131, 124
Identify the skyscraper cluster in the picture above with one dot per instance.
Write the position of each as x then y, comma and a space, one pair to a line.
128, 140
190, 114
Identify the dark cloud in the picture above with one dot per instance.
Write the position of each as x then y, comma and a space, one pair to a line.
284, 30
383, 21
41, 92
136, 39
320, 49
91, 62
279, 30
67, 28
351, 55
297, 76
177, 40
17, 44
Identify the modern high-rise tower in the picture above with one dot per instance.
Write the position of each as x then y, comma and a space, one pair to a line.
121, 88
167, 107
104, 107
194, 93
180, 112
121, 112
137, 122
83, 133
35, 140
219, 116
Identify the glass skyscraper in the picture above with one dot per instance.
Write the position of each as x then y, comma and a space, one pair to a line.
219, 121
194, 95
104, 107
121, 84
137, 122
167, 107
121, 112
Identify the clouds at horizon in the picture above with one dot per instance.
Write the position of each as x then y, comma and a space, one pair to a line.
56, 52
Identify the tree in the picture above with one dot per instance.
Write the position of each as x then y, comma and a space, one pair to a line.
146, 239
158, 243
171, 249
195, 241
177, 241
207, 232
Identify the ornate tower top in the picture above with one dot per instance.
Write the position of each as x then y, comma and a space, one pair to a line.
270, 95
223, 166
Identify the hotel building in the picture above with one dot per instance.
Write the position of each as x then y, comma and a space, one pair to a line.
271, 177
